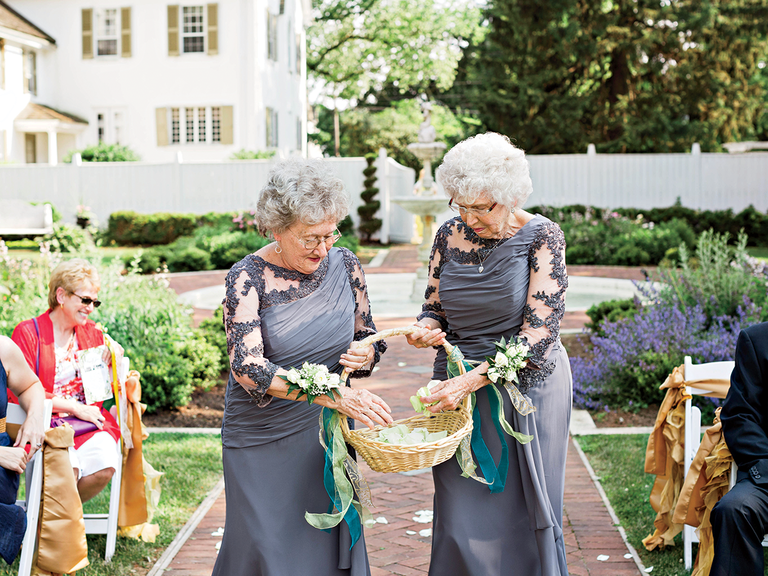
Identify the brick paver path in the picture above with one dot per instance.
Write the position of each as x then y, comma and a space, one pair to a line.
396, 547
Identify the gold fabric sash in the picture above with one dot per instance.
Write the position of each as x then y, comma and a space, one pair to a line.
139, 477
665, 454
707, 481
62, 546
2, 424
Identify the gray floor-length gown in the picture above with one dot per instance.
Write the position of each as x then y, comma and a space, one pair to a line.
520, 292
273, 461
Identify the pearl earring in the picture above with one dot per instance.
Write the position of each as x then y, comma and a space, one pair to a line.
278, 250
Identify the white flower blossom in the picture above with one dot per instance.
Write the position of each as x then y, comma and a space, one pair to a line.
501, 359
293, 376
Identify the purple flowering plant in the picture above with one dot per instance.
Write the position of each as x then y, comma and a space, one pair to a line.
697, 310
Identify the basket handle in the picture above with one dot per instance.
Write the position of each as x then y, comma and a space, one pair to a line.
384, 334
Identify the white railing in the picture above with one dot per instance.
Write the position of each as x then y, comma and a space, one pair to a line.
706, 181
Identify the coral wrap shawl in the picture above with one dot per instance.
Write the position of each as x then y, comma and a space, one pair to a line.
27, 339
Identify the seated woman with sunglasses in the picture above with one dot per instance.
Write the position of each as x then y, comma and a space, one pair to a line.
51, 344
497, 271
296, 300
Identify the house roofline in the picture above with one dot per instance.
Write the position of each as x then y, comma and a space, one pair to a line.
42, 34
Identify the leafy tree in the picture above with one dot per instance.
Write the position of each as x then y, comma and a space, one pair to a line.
628, 75
354, 45
365, 130
102, 152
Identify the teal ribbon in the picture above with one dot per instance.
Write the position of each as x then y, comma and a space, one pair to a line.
336, 483
495, 477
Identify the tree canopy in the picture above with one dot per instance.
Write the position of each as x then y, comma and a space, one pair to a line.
626, 75
355, 47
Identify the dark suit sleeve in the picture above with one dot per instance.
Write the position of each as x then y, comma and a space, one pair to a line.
744, 411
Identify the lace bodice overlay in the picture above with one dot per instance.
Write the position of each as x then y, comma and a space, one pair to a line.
254, 285
520, 293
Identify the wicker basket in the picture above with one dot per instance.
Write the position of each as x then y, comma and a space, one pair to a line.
384, 457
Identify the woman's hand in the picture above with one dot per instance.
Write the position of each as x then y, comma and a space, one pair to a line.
31, 432
357, 358
449, 393
14, 459
364, 406
426, 337
89, 414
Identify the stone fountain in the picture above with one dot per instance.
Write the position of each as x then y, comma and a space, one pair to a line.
425, 202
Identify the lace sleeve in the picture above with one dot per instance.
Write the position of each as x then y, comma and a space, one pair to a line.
546, 302
364, 325
432, 307
243, 327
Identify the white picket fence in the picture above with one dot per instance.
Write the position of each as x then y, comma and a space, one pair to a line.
706, 181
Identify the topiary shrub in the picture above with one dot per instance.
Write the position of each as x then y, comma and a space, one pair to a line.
369, 224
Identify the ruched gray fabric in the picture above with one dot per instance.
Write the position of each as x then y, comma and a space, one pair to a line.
273, 461
517, 532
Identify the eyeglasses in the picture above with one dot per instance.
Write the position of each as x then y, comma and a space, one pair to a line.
88, 301
464, 211
314, 241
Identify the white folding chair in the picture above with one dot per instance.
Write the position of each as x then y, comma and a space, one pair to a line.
33, 477
697, 373
107, 523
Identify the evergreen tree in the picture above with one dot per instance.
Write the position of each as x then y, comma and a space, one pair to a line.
369, 224
628, 75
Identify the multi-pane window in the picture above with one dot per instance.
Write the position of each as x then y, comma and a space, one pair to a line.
175, 126
202, 134
117, 127
193, 29
107, 32
272, 141
195, 124
30, 71
101, 127
271, 36
190, 124
215, 124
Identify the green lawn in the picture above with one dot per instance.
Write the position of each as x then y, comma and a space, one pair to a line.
618, 463
191, 464
758, 252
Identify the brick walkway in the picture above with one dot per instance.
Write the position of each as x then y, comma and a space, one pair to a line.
396, 547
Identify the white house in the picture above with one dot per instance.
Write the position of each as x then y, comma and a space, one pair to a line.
202, 79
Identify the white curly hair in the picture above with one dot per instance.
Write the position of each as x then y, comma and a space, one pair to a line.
300, 190
486, 164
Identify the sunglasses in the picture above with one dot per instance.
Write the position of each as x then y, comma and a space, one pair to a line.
88, 301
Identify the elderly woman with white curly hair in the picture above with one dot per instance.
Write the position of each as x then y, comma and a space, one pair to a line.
296, 300
497, 271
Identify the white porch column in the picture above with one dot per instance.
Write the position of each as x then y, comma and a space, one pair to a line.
53, 148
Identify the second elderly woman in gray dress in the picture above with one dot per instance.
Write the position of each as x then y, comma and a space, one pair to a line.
296, 300
498, 271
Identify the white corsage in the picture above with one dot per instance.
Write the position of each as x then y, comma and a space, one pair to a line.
312, 380
510, 357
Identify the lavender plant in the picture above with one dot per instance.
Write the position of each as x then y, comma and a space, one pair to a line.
698, 310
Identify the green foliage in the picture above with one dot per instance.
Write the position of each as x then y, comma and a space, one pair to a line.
627, 76
752, 222
209, 248
369, 224
23, 288
212, 329
365, 130
69, 239
610, 311
244, 154
144, 316
715, 278
354, 46
102, 152
133, 229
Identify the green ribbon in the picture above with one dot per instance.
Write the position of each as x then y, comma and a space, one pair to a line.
494, 476
338, 486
